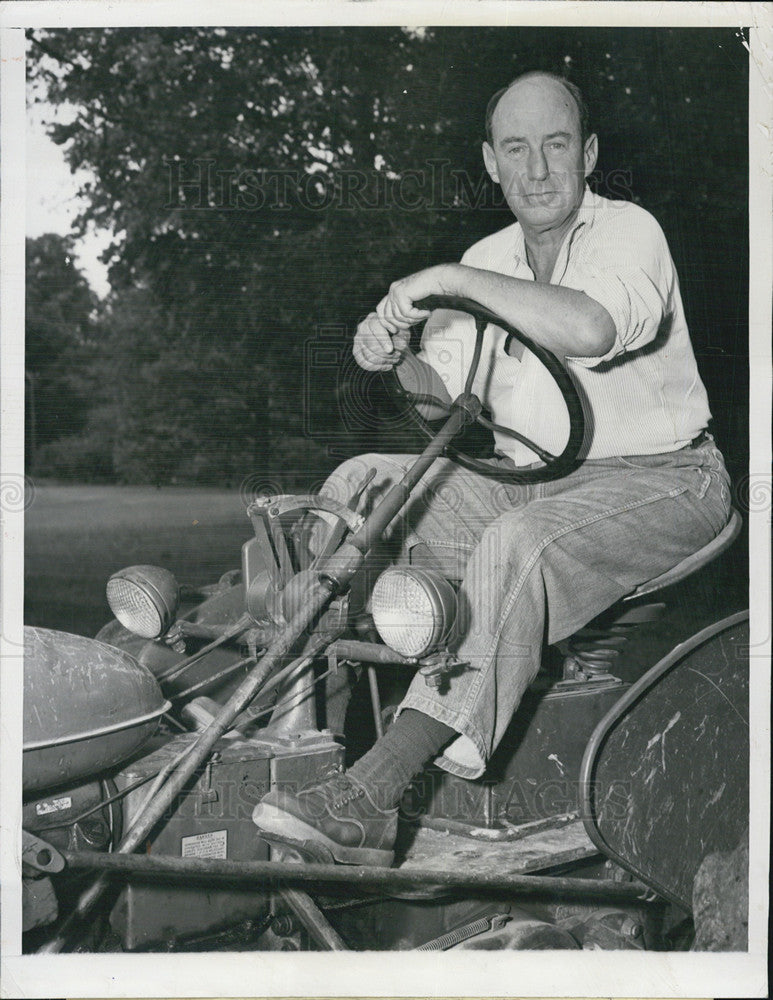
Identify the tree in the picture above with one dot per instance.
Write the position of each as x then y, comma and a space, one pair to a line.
60, 341
186, 408
266, 183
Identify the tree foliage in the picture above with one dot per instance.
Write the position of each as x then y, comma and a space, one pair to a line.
60, 340
268, 183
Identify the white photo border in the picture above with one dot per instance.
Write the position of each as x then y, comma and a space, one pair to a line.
375, 974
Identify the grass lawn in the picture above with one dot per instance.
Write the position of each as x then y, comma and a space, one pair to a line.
76, 536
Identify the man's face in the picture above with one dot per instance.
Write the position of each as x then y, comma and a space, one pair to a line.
537, 156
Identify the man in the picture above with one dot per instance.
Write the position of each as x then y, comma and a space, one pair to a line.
592, 281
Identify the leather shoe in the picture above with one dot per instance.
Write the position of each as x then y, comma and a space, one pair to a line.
338, 814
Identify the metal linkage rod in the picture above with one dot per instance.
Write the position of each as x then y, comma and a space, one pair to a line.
275, 872
243, 623
313, 919
198, 753
335, 574
342, 565
368, 652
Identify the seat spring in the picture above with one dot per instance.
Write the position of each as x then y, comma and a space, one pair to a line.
595, 649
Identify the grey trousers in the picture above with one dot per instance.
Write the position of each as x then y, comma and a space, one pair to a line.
536, 563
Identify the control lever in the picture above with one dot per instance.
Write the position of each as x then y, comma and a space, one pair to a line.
336, 535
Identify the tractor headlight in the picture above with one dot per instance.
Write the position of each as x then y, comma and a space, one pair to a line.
144, 599
413, 609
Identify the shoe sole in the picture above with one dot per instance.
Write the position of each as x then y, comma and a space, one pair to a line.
290, 829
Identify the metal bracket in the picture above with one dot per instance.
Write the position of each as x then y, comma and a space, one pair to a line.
266, 514
39, 855
438, 667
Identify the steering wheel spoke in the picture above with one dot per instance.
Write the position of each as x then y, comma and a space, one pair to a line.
541, 453
418, 398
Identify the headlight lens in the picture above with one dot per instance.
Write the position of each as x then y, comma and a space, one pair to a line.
413, 609
144, 599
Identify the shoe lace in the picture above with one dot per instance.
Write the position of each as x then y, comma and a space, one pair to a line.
349, 795
341, 790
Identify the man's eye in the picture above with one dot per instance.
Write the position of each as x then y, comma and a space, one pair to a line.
558, 145
516, 150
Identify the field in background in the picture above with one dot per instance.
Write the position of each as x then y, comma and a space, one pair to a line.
76, 536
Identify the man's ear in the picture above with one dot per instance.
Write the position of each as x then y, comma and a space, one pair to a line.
491, 162
591, 153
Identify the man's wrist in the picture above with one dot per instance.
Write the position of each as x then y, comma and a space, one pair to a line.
451, 279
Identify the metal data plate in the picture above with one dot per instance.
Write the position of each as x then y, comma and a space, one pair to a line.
665, 777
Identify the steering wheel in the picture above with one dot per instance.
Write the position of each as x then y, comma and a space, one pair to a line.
412, 379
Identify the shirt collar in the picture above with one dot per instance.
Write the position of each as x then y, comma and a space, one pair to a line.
585, 217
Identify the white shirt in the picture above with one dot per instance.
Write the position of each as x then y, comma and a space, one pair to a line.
643, 397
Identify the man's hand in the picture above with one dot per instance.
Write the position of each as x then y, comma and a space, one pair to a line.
397, 309
378, 346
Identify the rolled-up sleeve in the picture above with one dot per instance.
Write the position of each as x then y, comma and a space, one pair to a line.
632, 278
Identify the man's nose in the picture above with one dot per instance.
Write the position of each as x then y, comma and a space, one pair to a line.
537, 166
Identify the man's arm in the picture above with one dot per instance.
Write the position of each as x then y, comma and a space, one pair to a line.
565, 321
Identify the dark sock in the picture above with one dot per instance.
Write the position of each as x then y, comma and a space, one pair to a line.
388, 767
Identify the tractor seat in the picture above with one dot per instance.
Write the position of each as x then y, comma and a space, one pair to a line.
696, 561
592, 650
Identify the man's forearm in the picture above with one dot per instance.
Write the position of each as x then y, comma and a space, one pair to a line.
567, 322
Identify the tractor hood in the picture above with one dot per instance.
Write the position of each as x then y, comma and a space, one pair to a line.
87, 707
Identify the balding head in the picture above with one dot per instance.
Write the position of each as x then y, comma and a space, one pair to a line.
571, 90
